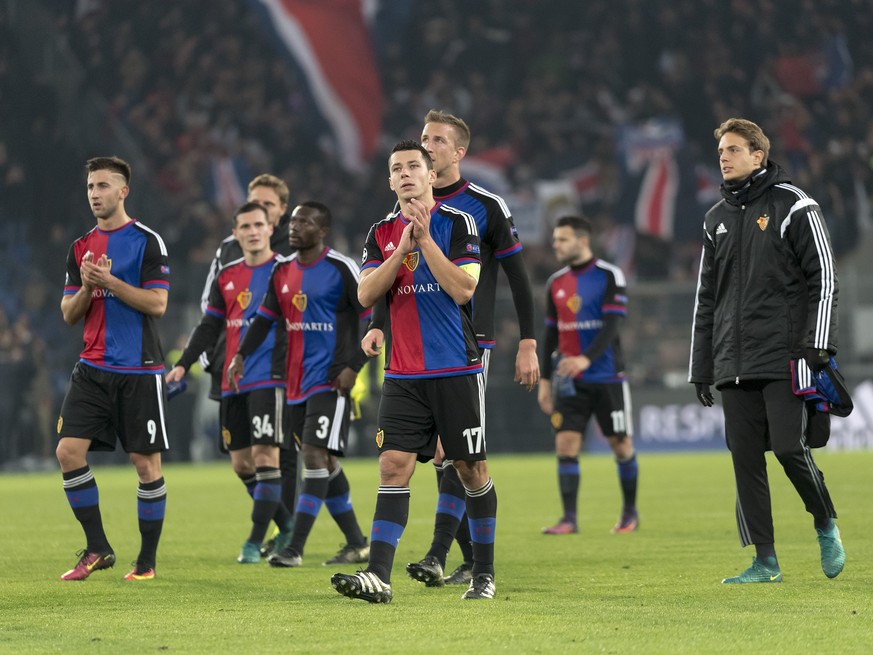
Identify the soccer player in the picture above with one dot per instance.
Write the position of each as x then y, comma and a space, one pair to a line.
251, 414
426, 258
118, 282
585, 303
272, 194
314, 293
446, 139
766, 306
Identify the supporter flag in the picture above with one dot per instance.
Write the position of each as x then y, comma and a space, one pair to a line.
586, 180
329, 42
652, 177
228, 177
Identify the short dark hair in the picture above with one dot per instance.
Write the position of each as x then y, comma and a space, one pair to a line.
580, 225
247, 207
410, 144
322, 209
114, 164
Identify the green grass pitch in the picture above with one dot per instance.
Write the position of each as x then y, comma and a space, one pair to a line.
654, 591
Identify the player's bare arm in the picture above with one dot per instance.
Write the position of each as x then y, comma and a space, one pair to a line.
151, 302
75, 306
375, 282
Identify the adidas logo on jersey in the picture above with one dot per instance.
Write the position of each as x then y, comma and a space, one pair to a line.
285, 289
229, 286
561, 293
721, 229
390, 246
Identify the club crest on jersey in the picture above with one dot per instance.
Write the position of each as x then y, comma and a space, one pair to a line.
411, 260
762, 222
244, 298
574, 303
380, 438
300, 301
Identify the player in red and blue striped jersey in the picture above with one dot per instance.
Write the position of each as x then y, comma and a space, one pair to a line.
312, 295
118, 282
426, 259
586, 301
251, 414
446, 139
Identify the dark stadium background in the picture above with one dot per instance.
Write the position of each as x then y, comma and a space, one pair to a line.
571, 104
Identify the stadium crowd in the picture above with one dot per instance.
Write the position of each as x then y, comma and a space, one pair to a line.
548, 86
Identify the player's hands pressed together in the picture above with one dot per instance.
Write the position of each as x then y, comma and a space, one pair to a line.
96, 274
570, 367
419, 217
372, 342
235, 371
408, 242
345, 380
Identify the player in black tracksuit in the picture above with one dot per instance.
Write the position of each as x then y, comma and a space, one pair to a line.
766, 302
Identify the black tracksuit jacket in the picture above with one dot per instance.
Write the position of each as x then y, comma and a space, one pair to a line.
767, 287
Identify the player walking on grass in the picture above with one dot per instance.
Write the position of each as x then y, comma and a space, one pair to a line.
425, 257
272, 194
118, 282
585, 304
446, 139
314, 292
251, 413
766, 305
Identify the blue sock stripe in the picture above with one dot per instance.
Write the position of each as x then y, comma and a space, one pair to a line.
309, 504
87, 497
386, 531
568, 468
268, 490
337, 505
628, 470
151, 510
482, 530
452, 505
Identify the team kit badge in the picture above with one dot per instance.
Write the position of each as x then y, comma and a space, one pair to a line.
762, 222
574, 303
411, 260
300, 301
244, 298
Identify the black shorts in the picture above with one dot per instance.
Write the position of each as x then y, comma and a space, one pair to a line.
413, 412
610, 403
323, 420
104, 406
253, 418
